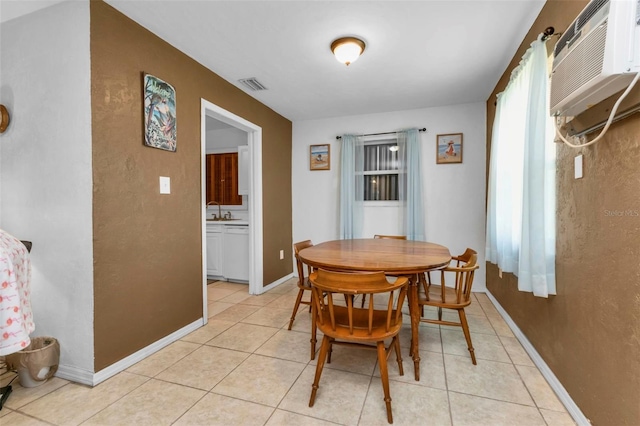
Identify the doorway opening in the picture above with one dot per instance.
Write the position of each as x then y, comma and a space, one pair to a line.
210, 111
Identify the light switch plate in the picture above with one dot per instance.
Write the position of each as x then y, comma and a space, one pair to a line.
165, 185
577, 166
281, 254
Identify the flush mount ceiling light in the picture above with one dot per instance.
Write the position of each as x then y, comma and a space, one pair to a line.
4, 118
347, 49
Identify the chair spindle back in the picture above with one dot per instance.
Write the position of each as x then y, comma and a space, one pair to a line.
297, 247
357, 321
463, 278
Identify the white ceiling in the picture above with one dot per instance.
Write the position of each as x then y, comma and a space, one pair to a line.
419, 53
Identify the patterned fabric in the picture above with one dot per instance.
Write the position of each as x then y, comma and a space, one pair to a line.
16, 318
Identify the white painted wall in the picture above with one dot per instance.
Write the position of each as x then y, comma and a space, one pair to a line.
454, 193
45, 169
225, 140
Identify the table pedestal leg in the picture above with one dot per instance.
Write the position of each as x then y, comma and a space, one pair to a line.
415, 323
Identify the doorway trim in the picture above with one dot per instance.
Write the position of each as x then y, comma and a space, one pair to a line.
254, 140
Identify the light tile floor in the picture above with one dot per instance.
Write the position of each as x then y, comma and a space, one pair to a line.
245, 368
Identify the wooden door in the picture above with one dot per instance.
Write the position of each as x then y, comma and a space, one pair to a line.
222, 179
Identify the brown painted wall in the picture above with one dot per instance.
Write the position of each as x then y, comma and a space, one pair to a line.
147, 246
589, 333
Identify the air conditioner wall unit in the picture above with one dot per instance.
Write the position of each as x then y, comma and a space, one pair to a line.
597, 56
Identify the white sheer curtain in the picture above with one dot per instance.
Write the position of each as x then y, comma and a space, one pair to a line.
521, 200
351, 187
410, 184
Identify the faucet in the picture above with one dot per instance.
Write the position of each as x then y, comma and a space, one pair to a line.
219, 209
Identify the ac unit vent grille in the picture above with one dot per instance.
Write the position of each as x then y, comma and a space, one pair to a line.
584, 64
588, 13
252, 84
568, 35
579, 23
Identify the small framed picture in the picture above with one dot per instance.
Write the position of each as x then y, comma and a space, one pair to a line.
449, 148
320, 157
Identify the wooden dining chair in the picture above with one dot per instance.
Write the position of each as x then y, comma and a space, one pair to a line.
459, 260
456, 298
351, 326
303, 285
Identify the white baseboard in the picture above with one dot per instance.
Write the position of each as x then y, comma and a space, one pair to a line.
276, 283
89, 378
75, 374
564, 397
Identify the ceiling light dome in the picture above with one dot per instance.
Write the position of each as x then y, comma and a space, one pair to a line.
347, 49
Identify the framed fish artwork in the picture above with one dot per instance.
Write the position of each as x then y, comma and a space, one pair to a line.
159, 113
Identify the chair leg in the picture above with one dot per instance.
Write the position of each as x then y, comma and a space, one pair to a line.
425, 283
295, 308
439, 314
313, 329
384, 376
396, 345
323, 353
364, 297
467, 335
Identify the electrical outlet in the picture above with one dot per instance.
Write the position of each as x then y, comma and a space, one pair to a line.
499, 273
281, 254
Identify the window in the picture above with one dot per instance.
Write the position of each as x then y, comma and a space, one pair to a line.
381, 171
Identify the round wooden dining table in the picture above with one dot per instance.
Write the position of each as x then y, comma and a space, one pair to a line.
392, 256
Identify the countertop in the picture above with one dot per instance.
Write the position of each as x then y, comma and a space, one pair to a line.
236, 222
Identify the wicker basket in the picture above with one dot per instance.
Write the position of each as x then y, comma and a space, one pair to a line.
37, 363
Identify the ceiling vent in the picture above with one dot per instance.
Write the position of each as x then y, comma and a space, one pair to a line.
252, 84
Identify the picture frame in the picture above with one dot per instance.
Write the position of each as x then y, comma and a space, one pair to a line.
320, 157
160, 127
449, 148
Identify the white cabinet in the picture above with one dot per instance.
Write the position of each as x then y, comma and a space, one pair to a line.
228, 252
236, 253
243, 170
214, 250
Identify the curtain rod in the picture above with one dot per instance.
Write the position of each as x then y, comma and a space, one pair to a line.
424, 129
549, 32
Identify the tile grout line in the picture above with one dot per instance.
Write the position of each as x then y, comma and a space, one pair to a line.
446, 380
30, 416
366, 395
114, 402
